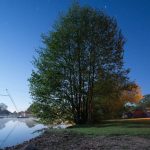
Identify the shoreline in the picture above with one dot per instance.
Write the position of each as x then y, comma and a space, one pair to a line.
64, 139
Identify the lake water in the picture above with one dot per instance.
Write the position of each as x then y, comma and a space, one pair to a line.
15, 131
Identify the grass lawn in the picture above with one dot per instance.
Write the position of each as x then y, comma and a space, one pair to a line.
131, 127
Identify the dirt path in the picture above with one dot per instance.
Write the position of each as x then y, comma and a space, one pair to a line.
72, 141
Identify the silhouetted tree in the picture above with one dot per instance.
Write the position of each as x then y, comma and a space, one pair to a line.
3, 106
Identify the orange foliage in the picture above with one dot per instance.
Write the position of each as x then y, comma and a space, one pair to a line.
132, 93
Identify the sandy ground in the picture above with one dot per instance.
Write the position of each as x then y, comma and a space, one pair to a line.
71, 141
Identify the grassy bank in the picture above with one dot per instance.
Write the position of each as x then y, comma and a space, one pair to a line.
131, 127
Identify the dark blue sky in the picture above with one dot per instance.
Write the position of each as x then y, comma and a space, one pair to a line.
23, 21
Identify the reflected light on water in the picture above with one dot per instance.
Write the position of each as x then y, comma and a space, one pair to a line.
15, 131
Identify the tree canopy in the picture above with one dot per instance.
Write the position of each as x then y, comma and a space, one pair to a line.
3, 106
80, 64
145, 101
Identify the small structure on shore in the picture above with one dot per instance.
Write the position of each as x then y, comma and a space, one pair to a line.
139, 113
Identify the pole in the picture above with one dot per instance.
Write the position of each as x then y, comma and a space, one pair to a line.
12, 100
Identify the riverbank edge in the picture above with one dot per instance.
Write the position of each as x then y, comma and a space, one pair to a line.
57, 139
30, 145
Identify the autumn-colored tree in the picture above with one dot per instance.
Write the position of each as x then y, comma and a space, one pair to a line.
132, 93
113, 96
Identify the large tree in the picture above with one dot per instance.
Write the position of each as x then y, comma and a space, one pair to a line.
84, 46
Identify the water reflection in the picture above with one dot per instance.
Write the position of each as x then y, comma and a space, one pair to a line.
15, 131
29, 122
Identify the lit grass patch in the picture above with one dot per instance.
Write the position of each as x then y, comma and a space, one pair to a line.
112, 131
133, 127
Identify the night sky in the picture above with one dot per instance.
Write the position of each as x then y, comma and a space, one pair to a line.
23, 21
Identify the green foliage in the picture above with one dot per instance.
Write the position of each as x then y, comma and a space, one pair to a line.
145, 102
84, 48
107, 99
